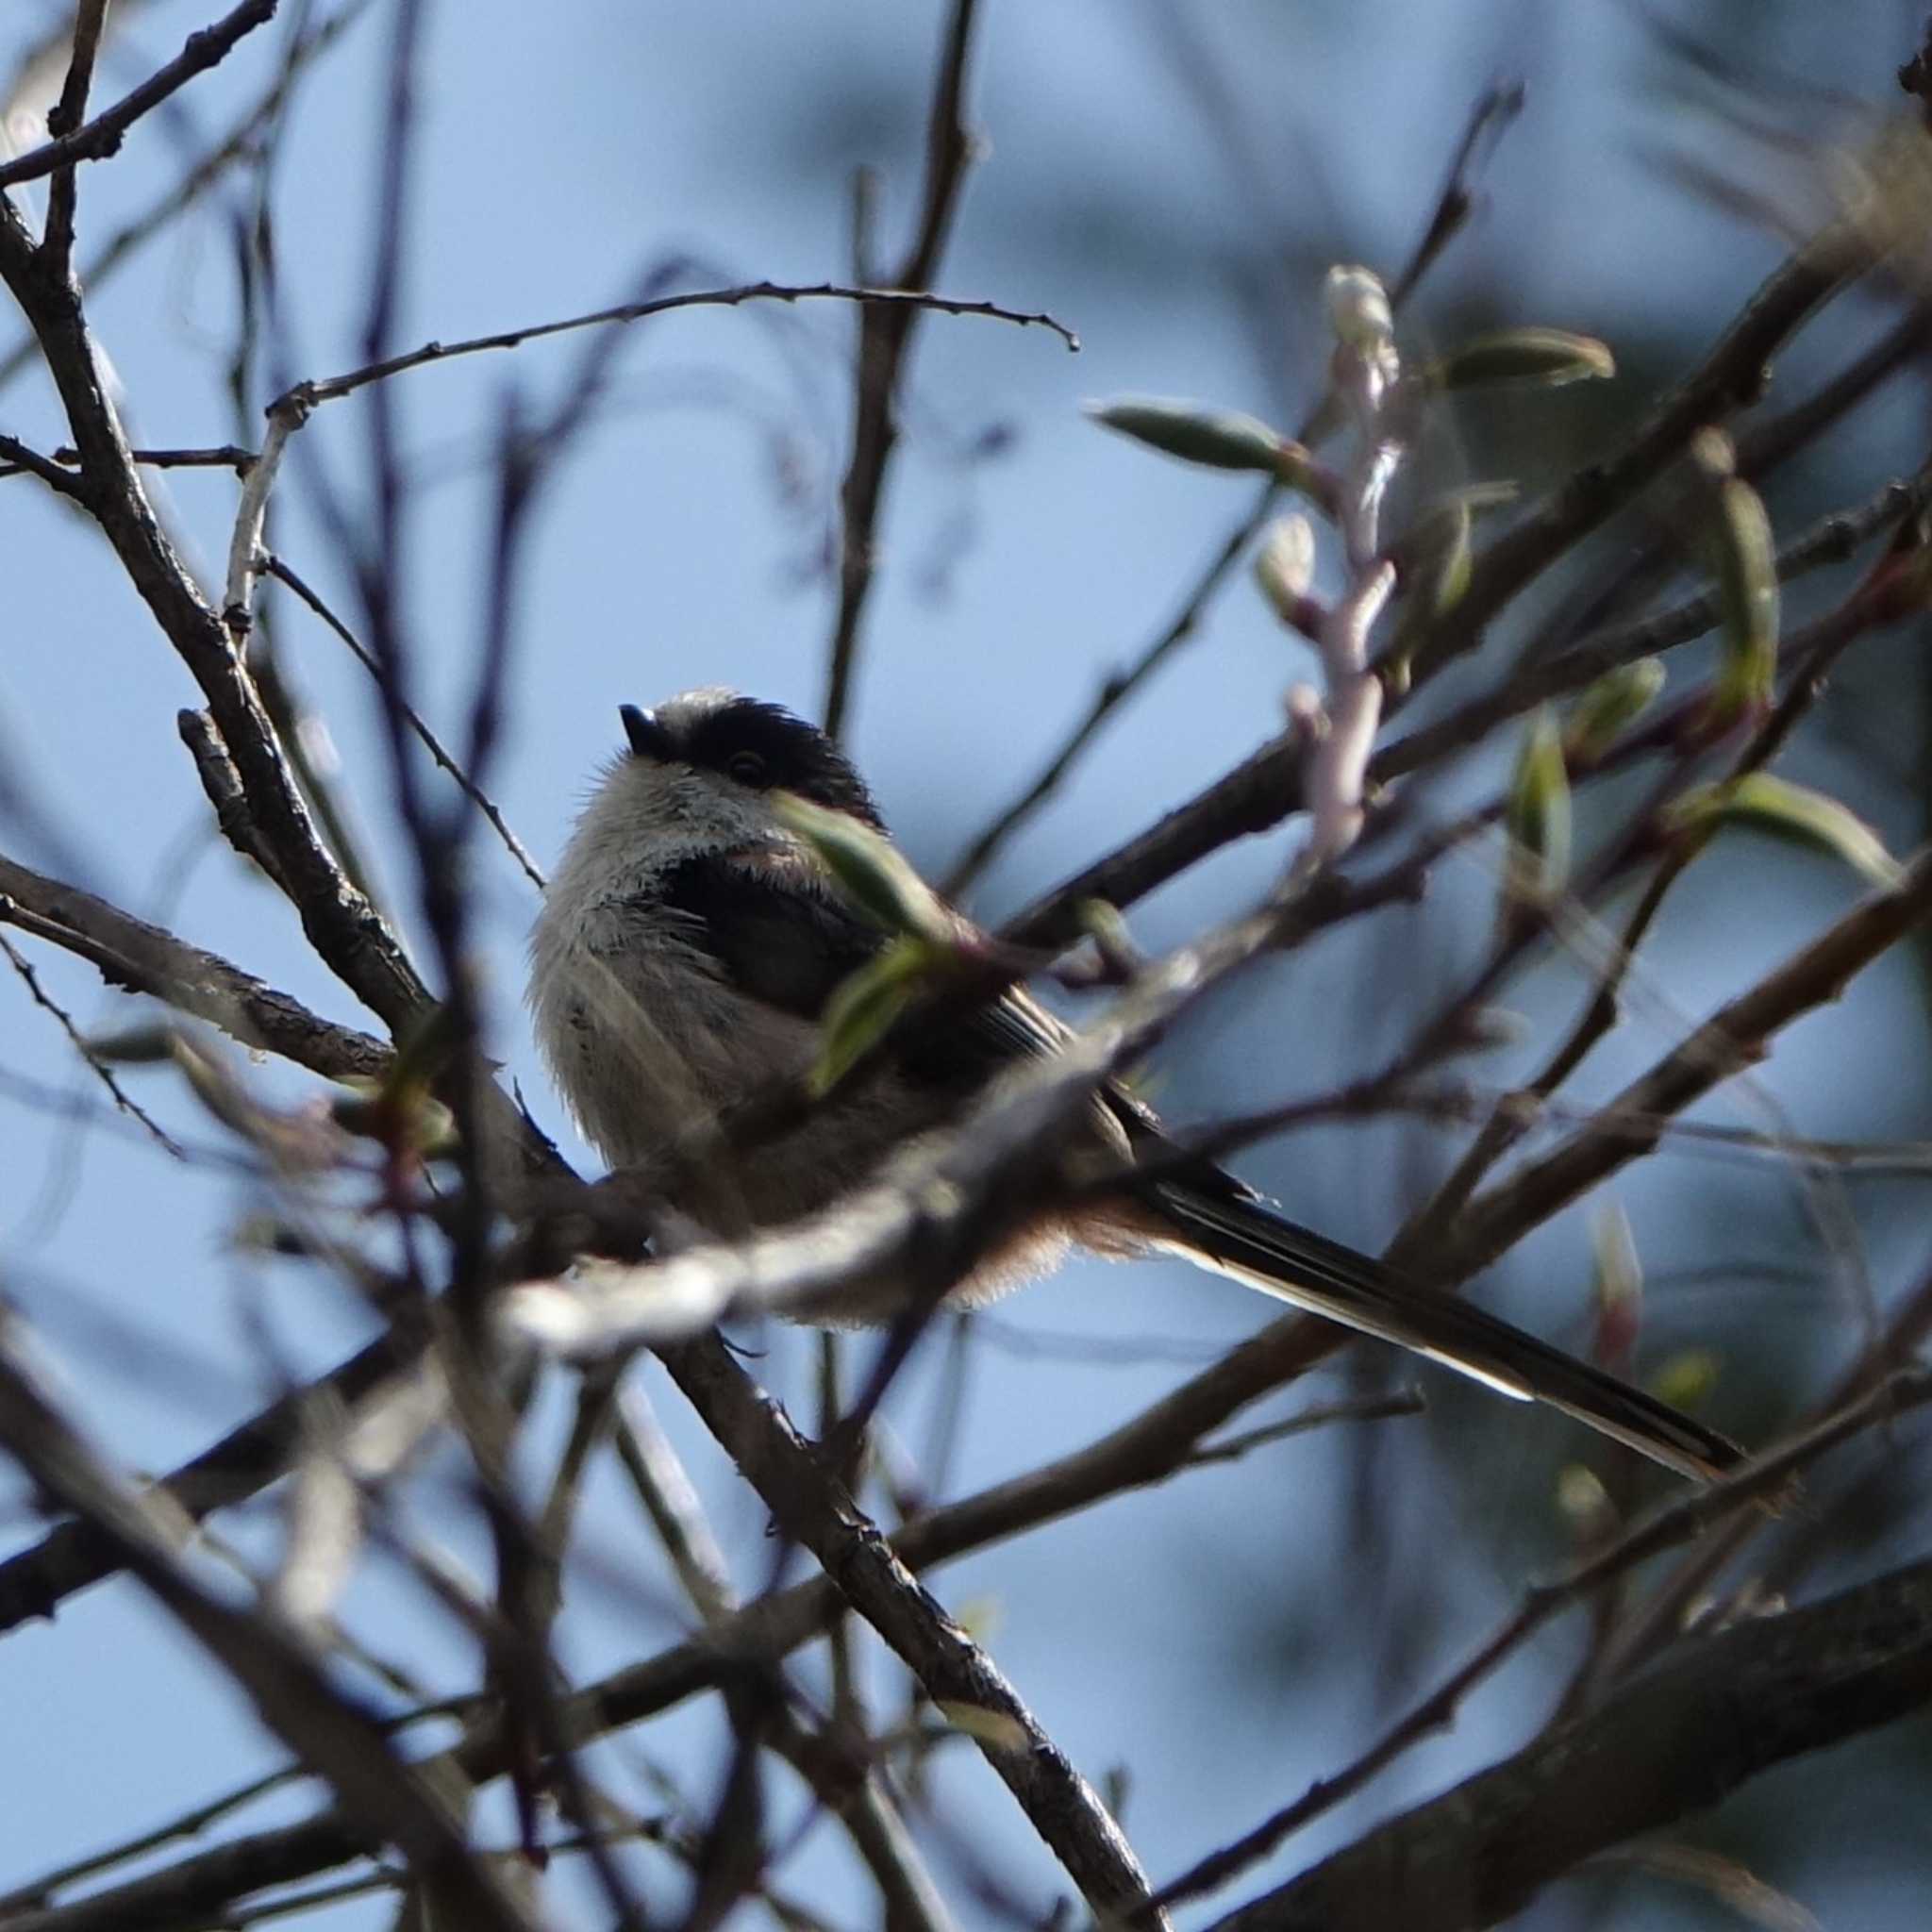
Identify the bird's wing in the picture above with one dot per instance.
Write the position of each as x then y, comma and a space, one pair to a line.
789, 942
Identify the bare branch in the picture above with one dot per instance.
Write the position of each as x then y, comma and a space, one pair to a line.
1767, 1689
141, 958
328, 389
884, 336
103, 135
1735, 1037
782, 1468
290, 1690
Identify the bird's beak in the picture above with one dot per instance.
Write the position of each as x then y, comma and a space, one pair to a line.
648, 738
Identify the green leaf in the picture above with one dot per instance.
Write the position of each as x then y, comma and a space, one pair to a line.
141, 1045
1765, 803
1747, 585
1220, 439
1432, 563
1547, 357
1687, 1379
1537, 818
863, 1008
1608, 708
869, 867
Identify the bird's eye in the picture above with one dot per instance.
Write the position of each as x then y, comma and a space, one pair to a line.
746, 767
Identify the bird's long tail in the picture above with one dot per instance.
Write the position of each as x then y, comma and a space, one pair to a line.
1248, 1240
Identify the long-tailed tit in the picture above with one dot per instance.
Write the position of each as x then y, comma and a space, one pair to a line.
685, 953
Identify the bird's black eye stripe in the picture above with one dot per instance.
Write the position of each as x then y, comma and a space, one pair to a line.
767, 747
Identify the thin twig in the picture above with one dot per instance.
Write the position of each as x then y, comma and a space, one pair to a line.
65, 117
103, 135
282, 572
1765, 1478
1115, 689
884, 336
330, 388
96, 1065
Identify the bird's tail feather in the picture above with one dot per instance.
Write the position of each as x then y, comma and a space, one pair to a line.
1255, 1245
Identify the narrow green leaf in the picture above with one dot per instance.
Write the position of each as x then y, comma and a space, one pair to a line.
1537, 818
1747, 582
1432, 561
868, 868
1608, 708
1546, 358
139, 1045
865, 1007
1765, 803
1220, 439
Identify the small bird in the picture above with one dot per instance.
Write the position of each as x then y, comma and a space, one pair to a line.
681, 966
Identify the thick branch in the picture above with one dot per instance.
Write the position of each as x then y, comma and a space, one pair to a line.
1716, 1713
341, 924
786, 1474
290, 1691
147, 958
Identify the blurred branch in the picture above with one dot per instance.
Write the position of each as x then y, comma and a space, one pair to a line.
885, 333
1765, 1480
1494, 111
1735, 1037
288, 1689
103, 134
1718, 1712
